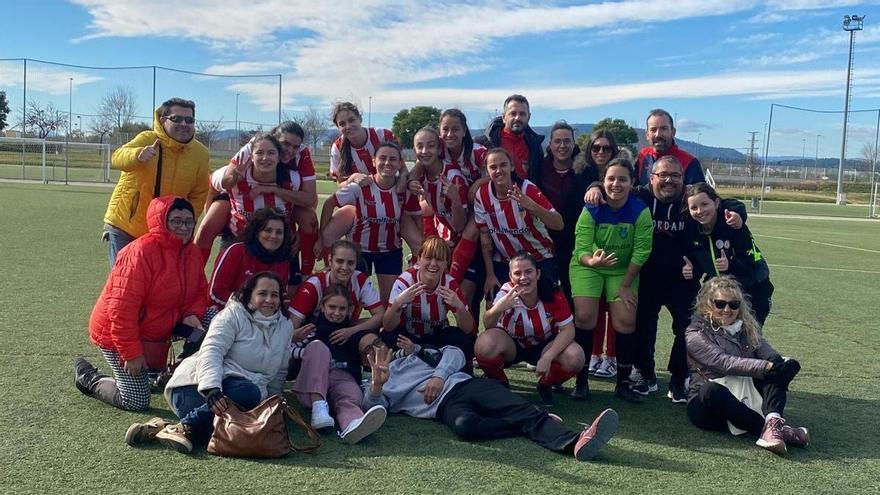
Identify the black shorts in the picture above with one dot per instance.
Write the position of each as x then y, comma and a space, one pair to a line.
476, 271
530, 354
390, 263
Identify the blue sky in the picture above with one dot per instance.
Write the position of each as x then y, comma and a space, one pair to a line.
717, 65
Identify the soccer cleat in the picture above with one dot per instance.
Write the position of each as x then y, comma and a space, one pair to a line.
677, 393
772, 437
623, 391
608, 368
85, 375
364, 426
595, 362
177, 436
582, 387
595, 436
644, 386
144, 432
545, 395
558, 388
321, 415
795, 436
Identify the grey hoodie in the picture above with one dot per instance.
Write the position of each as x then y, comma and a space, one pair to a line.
407, 377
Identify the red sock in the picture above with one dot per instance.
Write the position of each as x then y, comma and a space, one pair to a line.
556, 375
493, 368
461, 258
428, 226
307, 251
206, 253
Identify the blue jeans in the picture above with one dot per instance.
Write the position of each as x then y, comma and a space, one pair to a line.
195, 413
116, 240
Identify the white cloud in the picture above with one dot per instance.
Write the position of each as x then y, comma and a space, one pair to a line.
44, 79
684, 124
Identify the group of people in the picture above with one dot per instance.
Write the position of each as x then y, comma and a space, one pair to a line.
567, 248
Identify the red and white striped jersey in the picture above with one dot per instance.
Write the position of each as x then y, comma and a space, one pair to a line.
362, 158
378, 212
512, 228
442, 205
301, 169
427, 312
306, 301
533, 326
243, 205
472, 166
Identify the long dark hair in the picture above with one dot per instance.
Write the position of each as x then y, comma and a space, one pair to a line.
282, 173
243, 294
599, 134
467, 142
346, 166
546, 287
250, 236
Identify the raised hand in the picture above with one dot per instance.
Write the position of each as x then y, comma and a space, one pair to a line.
406, 344
410, 293
517, 195
379, 358
450, 190
687, 271
510, 298
600, 258
733, 219
148, 152
722, 263
450, 298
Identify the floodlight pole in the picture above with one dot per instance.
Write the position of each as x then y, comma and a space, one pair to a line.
370, 113
237, 128
767, 130
69, 126
852, 24
816, 163
874, 165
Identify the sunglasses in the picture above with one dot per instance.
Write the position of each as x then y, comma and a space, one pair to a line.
600, 148
179, 118
721, 303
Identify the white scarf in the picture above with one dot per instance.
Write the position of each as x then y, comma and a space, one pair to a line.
734, 328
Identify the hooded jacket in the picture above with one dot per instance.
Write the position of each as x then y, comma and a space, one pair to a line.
185, 173
156, 282
693, 171
533, 141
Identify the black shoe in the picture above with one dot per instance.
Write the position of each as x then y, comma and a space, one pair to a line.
644, 386
582, 387
677, 393
545, 395
85, 375
623, 391
558, 388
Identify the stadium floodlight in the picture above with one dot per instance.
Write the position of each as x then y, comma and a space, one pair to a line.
851, 23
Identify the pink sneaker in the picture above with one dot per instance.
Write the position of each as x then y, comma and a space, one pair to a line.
771, 436
594, 437
796, 436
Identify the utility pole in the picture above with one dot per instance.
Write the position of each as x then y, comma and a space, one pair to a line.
750, 160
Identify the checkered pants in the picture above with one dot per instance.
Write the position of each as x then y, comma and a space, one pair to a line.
132, 393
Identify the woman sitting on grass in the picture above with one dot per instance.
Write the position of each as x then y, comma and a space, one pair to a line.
156, 287
243, 359
738, 382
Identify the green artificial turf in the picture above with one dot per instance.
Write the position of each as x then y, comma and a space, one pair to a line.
55, 440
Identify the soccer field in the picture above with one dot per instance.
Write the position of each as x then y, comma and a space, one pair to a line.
54, 440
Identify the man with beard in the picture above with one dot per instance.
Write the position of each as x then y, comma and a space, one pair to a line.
660, 133
511, 131
660, 280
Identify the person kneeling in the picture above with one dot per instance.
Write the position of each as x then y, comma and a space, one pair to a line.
740, 382
429, 384
243, 359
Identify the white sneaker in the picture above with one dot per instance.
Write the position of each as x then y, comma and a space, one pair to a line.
595, 362
608, 368
321, 415
362, 427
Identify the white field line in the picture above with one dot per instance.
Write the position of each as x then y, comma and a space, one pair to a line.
817, 242
825, 269
812, 217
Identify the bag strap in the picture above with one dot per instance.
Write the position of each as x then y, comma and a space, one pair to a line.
157, 189
311, 432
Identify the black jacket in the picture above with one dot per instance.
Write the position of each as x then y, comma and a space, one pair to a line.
573, 203
533, 141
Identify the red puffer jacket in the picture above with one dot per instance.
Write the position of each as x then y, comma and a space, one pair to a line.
156, 282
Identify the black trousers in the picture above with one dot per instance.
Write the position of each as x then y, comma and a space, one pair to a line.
761, 296
715, 406
678, 297
483, 409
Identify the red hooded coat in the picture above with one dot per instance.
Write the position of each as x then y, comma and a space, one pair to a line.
156, 282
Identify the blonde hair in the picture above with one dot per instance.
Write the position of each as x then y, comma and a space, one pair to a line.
726, 283
435, 247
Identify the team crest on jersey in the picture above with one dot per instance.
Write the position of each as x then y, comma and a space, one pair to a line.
624, 232
722, 244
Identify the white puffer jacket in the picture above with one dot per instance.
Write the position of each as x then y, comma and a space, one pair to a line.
238, 344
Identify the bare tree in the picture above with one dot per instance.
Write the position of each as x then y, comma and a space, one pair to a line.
870, 155
101, 127
118, 106
45, 119
206, 130
313, 122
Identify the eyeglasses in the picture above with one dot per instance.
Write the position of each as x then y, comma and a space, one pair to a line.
596, 148
177, 223
666, 176
560, 142
721, 303
177, 119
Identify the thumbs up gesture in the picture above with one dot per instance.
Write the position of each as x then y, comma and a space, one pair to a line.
148, 152
687, 271
722, 263
733, 219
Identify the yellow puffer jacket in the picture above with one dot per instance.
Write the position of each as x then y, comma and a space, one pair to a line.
185, 173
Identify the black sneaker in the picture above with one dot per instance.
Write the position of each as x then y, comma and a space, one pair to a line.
85, 375
582, 387
677, 393
545, 395
558, 388
623, 391
644, 386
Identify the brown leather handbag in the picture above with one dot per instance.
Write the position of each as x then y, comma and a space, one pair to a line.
260, 432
